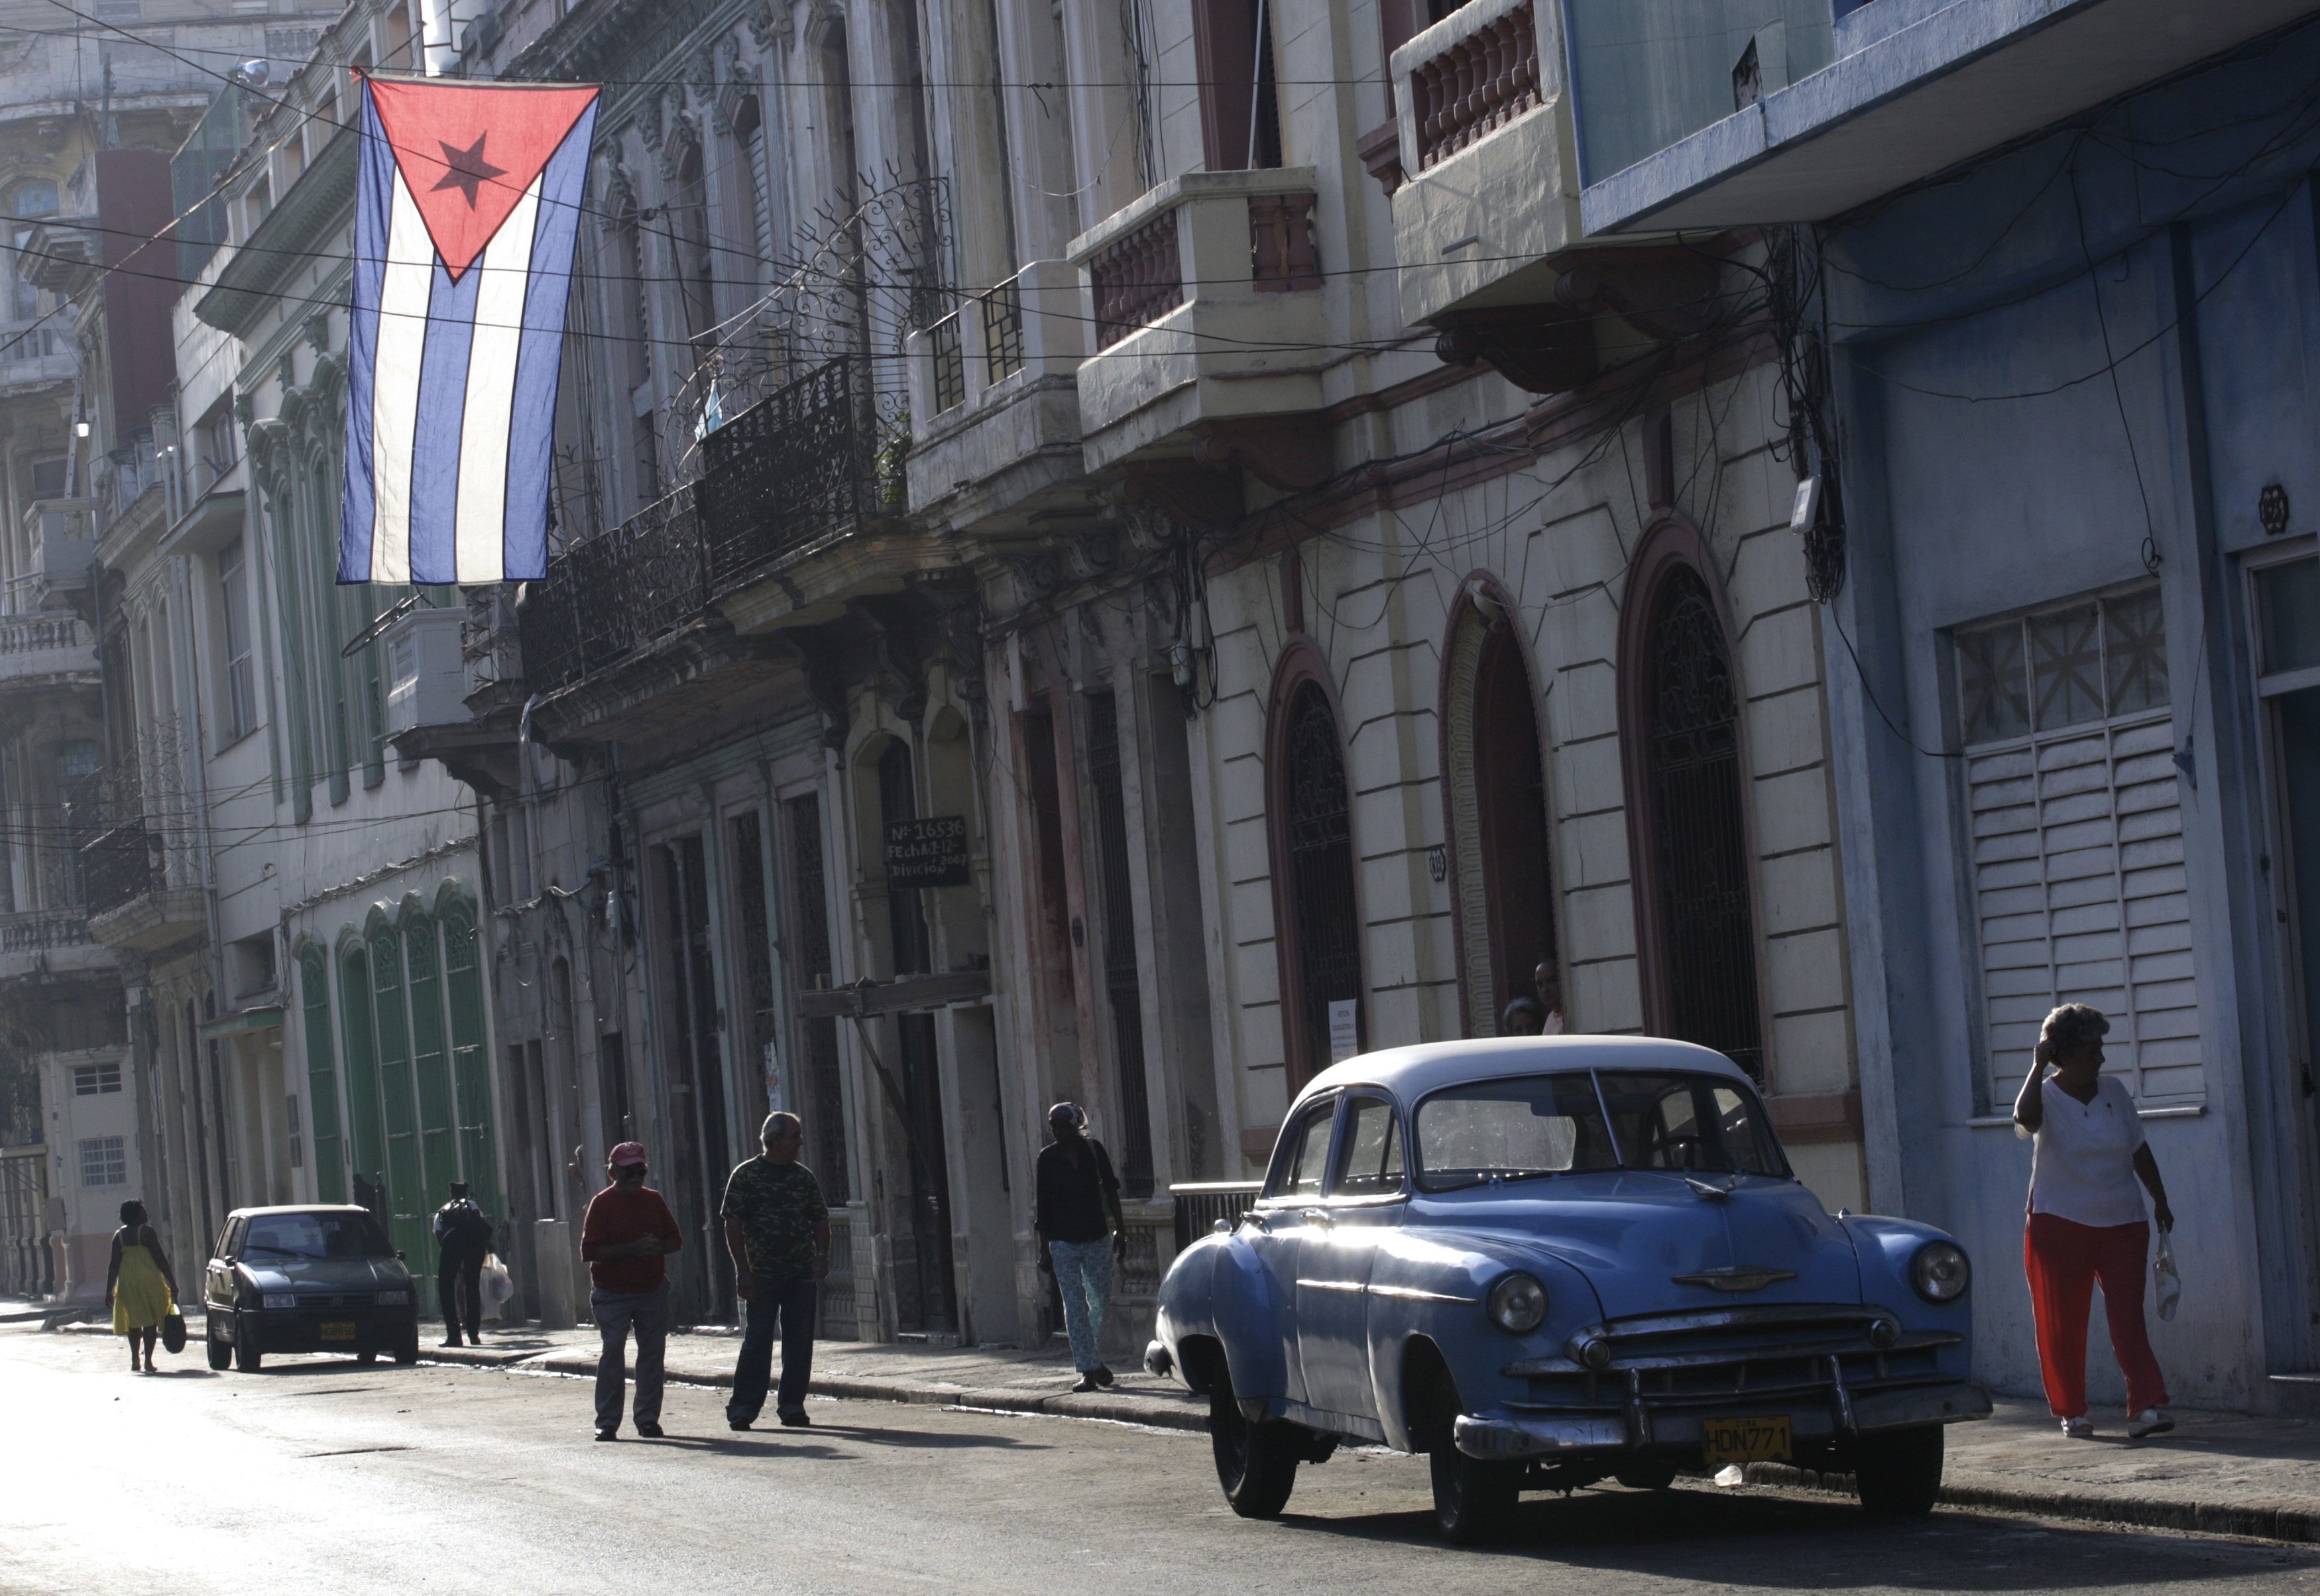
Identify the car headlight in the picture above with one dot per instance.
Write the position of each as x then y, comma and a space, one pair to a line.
1940, 1272
1517, 1304
279, 1300
394, 1299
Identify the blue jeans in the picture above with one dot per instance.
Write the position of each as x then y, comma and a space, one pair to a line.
1083, 1281
783, 1303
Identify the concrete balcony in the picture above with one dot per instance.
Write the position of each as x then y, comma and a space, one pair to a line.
994, 404
1205, 301
35, 354
1916, 86
50, 943
142, 892
60, 543
46, 653
1490, 198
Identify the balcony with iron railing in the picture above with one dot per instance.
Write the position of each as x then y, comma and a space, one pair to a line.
786, 476
1204, 298
994, 403
136, 894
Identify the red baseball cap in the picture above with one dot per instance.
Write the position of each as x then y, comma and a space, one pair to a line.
627, 1152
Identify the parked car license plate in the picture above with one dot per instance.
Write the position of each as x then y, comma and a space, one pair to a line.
343, 1329
1746, 1440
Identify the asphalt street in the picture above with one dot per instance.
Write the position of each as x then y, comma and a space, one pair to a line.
321, 1475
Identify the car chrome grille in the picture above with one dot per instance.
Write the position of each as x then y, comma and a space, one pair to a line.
1713, 1357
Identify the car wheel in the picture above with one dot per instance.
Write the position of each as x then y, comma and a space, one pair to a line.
1474, 1501
1256, 1464
1651, 1474
221, 1354
406, 1351
365, 1357
1900, 1471
247, 1356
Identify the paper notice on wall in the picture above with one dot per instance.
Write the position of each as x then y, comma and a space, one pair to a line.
1345, 1028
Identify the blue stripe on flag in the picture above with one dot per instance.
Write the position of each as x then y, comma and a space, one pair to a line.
359, 504
442, 418
532, 430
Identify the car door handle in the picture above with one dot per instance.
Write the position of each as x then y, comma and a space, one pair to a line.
1316, 1216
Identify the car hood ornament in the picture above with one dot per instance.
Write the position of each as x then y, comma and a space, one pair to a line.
1738, 1278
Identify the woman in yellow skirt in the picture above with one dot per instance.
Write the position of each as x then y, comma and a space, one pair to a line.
139, 1284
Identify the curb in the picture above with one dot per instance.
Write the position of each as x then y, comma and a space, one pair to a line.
1155, 1412
2261, 1521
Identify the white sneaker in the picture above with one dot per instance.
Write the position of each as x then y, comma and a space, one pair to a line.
2082, 1429
2150, 1421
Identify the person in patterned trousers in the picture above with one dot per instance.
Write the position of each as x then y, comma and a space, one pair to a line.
777, 1229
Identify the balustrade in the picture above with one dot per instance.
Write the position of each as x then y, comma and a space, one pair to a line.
1478, 84
1138, 278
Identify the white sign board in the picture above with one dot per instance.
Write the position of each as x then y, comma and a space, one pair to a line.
1345, 1028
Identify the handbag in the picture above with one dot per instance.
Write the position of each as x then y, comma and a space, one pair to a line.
173, 1332
2166, 1285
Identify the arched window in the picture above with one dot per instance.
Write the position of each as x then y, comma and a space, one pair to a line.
366, 1130
471, 1085
688, 241
1320, 923
322, 1077
1700, 936
1494, 785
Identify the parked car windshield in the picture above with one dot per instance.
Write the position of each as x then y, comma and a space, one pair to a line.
1541, 1125
315, 1235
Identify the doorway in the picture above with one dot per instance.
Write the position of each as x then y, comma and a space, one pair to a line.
926, 1294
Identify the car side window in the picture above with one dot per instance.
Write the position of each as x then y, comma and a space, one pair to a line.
228, 1237
1297, 1169
1372, 1163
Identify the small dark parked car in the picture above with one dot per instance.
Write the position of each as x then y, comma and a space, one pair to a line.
307, 1280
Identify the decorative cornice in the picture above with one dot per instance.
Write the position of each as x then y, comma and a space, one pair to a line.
254, 276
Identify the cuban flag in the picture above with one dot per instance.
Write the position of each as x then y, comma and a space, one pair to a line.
466, 210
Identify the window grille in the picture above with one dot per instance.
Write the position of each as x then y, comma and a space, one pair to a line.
91, 1080
103, 1160
1325, 921
2079, 890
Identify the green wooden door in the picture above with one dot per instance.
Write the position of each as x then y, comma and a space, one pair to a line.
439, 1147
407, 1201
470, 1059
322, 1079
367, 1132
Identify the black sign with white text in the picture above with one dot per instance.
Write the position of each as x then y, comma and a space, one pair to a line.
926, 852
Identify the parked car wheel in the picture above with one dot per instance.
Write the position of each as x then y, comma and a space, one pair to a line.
1256, 1464
247, 1356
1646, 1475
221, 1354
1474, 1501
365, 1357
406, 1351
1899, 1472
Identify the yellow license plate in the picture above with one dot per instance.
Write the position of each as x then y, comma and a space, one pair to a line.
344, 1330
1746, 1440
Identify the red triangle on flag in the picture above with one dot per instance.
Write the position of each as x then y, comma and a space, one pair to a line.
468, 150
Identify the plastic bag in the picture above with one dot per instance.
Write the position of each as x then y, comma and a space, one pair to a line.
497, 1288
2166, 1285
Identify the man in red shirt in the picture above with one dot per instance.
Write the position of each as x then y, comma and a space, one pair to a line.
628, 1232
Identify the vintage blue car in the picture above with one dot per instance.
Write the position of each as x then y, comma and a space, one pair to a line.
1544, 1261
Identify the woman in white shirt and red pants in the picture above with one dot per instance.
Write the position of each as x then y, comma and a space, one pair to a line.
2087, 1220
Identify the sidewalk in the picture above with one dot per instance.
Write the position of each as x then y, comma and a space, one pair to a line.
2222, 1473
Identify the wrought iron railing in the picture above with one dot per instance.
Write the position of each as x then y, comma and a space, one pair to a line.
1477, 85
612, 593
950, 364
1138, 278
1003, 332
795, 467
121, 866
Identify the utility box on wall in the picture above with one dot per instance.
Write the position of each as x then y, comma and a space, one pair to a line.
428, 682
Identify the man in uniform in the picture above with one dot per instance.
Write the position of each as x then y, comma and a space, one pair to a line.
462, 1237
777, 1229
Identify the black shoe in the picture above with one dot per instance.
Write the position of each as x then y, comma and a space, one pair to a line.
795, 1418
449, 1341
739, 1424
651, 1432
1104, 1376
1088, 1382
607, 1434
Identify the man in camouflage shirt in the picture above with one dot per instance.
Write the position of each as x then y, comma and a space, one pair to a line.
777, 1229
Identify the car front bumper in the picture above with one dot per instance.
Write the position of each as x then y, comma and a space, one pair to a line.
1494, 1438
350, 1329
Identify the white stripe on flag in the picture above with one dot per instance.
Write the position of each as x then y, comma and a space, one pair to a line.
506, 268
404, 294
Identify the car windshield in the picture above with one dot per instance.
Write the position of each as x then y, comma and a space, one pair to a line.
315, 1236
1541, 1125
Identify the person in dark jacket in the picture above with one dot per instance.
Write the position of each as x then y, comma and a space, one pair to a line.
1082, 1235
463, 1235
